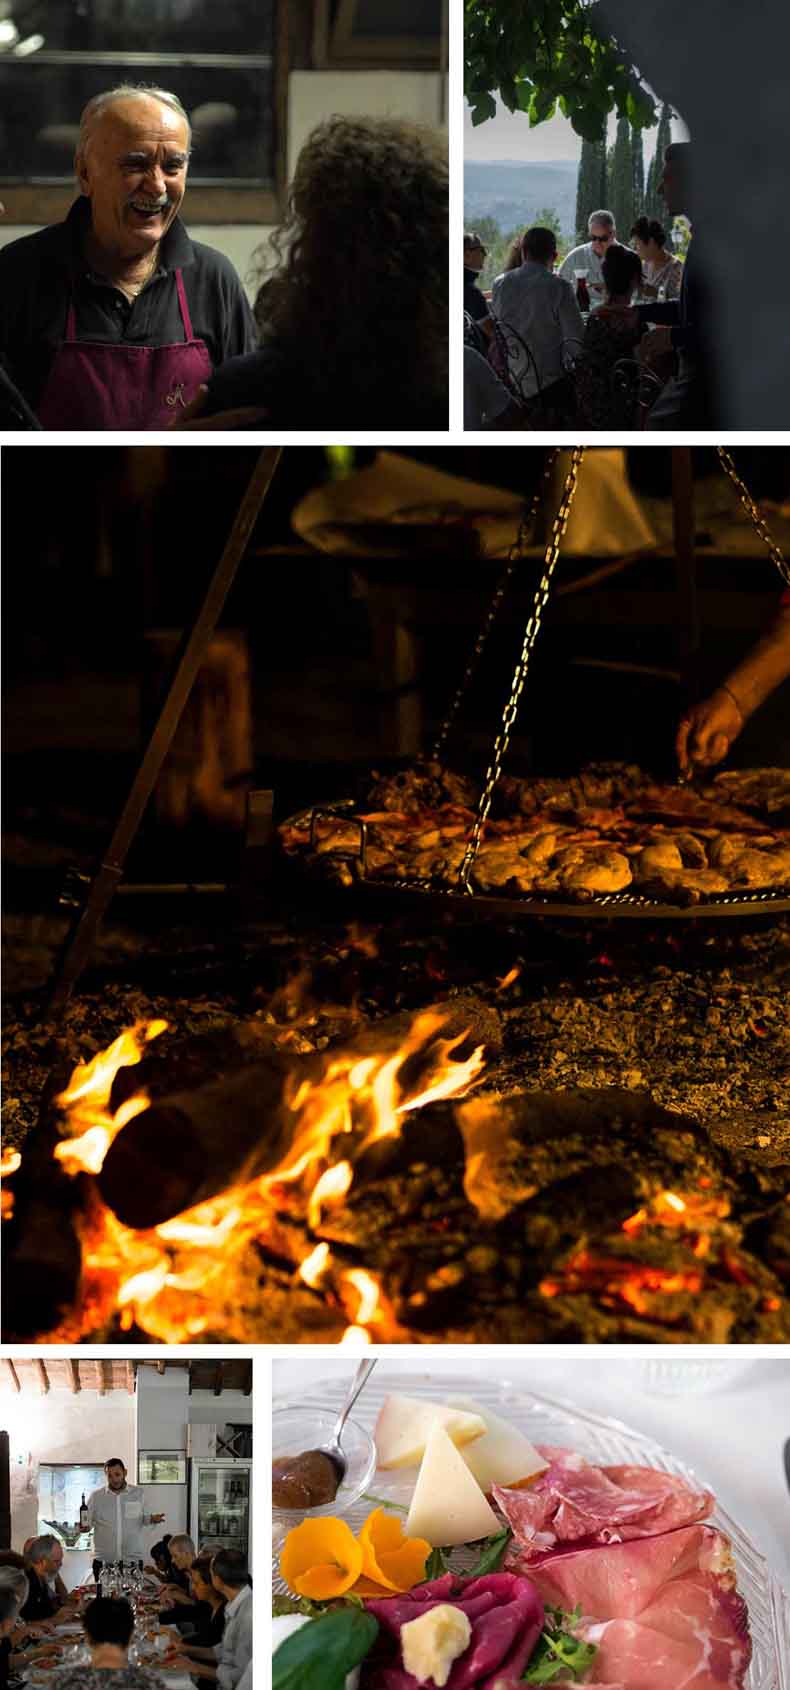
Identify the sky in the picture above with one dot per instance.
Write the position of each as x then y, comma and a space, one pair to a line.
508, 136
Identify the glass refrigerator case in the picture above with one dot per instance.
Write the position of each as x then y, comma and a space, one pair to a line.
219, 1504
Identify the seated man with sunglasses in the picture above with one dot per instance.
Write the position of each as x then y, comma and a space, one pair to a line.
591, 254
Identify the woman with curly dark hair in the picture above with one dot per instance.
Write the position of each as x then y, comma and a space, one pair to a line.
354, 323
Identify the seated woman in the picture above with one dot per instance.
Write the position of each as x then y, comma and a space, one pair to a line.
354, 318
109, 1624
660, 267
612, 333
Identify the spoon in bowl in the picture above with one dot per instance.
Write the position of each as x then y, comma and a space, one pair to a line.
333, 1450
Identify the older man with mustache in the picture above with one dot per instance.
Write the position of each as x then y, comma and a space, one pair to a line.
114, 318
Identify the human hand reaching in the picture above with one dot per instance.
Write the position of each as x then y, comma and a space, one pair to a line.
707, 731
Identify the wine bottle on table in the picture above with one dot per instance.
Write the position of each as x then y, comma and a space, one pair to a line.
83, 1514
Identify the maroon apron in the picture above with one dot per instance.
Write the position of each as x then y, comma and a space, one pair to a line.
92, 385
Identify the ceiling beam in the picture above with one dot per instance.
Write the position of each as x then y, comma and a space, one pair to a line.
130, 1377
43, 1376
248, 1379
101, 1379
73, 1370
219, 1376
13, 1375
160, 1366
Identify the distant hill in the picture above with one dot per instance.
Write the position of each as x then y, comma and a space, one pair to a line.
512, 192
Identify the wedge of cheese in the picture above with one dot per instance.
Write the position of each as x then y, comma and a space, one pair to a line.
404, 1425
503, 1456
448, 1506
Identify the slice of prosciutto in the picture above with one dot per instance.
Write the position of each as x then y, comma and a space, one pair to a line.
506, 1616
575, 1502
663, 1611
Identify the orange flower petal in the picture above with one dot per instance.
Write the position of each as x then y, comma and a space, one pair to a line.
389, 1558
321, 1558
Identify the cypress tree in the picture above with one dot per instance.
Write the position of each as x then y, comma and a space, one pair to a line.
621, 192
590, 184
650, 188
637, 179
656, 207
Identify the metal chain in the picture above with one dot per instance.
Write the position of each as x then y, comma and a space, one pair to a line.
755, 513
531, 631
514, 556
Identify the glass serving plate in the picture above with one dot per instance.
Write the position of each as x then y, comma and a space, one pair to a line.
548, 1420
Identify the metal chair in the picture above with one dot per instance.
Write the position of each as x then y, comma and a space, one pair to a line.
638, 388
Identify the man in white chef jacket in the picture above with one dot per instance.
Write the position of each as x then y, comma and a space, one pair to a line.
116, 1517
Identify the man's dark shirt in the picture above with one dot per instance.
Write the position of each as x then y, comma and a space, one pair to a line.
684, 315
474, 301
40, 1605
38, 272
689, 320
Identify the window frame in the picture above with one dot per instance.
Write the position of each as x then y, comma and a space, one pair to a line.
336, 48
38, 203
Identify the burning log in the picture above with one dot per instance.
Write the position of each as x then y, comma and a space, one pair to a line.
198, 1142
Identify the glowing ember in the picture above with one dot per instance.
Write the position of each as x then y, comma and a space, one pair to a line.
314, 1266
10, 1161
508, 979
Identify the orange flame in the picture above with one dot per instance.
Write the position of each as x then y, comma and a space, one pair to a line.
314, 1266
9, 1162
178, 1280
332, 1185
355, 1338
89, 1128
369, 1294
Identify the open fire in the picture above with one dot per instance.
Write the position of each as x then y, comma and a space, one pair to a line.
399, 1181
174, 1280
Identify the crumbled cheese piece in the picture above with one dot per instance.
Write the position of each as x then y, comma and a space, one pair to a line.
431, 1643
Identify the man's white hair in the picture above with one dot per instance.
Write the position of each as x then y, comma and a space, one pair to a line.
604, 217
182, 1541
100, 103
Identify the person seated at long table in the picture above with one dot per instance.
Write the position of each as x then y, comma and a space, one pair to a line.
179, 1603
109, 1625
43, 1563
226, 1662
209, 1616
57, 1588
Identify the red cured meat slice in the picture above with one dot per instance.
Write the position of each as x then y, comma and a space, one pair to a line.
663, 1611
574, 1502
506, 1617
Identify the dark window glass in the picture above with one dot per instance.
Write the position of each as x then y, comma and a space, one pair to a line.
217, 57
377, 18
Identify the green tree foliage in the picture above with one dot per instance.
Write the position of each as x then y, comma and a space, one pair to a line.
541, 56
591, 186
499, 242
621, 188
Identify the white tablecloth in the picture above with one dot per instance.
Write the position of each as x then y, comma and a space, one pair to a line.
733, 1436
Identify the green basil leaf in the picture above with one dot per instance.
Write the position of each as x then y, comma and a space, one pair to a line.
435, 1565
322, 1653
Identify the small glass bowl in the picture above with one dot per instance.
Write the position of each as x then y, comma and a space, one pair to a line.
296, 1429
